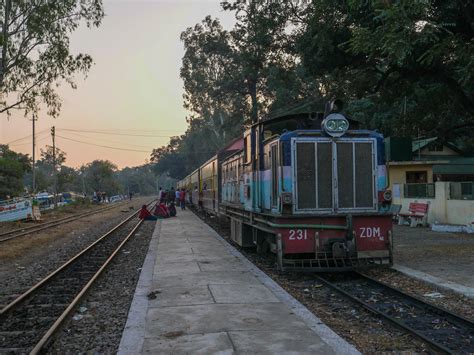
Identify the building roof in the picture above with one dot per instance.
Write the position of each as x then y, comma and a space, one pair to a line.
421, 143
417, 162
447, 169
455, 166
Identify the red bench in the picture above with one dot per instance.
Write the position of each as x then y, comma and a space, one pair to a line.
417, 214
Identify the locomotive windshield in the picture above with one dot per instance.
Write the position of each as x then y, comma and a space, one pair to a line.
278, 127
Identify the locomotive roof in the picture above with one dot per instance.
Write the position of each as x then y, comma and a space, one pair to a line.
351, 133
306, 120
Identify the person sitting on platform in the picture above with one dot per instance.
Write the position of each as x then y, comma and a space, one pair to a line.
172, 209
146, 215
161, 211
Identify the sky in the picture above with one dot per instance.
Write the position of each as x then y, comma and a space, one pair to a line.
133, 89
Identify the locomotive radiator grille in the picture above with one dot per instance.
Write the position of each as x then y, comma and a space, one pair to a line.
363, 175
324, 182
334, 175
306, 170
345, 175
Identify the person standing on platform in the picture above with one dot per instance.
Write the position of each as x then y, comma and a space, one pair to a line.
182, 199
171, 195
177, 197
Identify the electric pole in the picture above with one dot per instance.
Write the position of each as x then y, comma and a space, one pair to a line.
53, 133
83, 185
34, 157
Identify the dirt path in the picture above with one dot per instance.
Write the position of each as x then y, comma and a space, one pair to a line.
449, 256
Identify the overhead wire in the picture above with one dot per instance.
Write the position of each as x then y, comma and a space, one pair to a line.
114, 134
111, 141
129, 130
26, 137
28, 143
104, 146
124, 149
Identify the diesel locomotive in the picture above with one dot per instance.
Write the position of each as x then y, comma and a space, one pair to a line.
310, 188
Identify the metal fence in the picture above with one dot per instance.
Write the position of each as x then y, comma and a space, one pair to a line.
461, 190
419, 190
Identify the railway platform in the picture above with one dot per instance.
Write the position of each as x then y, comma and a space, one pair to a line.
198, 294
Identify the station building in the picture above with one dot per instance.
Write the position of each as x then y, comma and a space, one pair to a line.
434, 172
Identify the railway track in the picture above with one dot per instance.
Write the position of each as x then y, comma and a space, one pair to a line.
443, 331
6, 236
29, 321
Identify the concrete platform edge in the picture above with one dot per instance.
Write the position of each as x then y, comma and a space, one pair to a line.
447, 285
133, 335
337, 343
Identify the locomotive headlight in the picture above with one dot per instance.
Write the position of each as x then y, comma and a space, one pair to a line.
335, 125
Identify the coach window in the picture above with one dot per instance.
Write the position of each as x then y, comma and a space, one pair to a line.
247, 150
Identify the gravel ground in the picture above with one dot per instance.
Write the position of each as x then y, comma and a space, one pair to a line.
367, 332
28, 259
452, 301
449, 256
97, 325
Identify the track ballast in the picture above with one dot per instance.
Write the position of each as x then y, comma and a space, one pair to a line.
444, 331
28, 322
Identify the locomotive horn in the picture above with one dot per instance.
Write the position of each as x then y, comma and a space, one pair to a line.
337, 105
333, 106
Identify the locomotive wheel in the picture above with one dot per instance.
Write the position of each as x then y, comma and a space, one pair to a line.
263, 247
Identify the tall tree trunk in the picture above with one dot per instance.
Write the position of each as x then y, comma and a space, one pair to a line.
4, 44
252, 85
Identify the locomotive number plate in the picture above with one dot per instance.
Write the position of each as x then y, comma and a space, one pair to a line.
298, 234
370, 232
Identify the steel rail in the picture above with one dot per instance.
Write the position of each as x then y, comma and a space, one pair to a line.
435, 345
27, 293
52, 330
58, 220
60, 319
32, 229
455, 318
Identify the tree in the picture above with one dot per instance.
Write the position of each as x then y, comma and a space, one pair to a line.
66, 178
45, 169
168, 159
231, 78
226, 72
99, 176
13, 167
140, 179
402, 67
48, 158
34, 50
405, 67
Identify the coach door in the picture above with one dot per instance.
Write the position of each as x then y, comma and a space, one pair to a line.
274, 172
